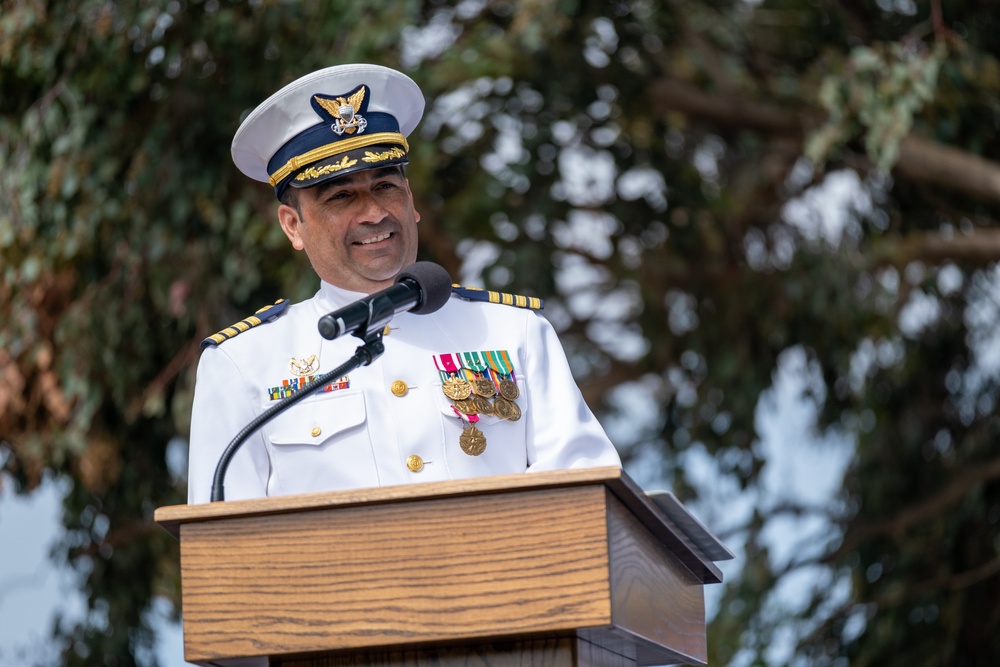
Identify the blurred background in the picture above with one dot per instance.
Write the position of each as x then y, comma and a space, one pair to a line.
766, 232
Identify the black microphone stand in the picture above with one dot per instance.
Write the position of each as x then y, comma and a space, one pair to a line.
379, 314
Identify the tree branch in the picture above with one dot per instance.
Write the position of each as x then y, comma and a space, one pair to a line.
917, 512
921, 160
980, 247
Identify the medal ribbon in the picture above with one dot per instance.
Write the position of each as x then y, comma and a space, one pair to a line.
500, 362
475, 362
446, 365
472, 419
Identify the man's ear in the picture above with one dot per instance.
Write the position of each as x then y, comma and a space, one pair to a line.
291, 223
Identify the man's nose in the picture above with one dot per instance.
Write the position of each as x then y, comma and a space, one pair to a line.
370, 209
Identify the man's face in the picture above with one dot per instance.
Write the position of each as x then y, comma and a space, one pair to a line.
359, 230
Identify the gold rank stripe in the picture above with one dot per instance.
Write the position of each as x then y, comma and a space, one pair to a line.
265, 314
336, 148
516, 300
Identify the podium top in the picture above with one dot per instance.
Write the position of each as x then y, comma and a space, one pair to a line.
667, 529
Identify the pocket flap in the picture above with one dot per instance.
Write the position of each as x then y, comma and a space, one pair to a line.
317, 419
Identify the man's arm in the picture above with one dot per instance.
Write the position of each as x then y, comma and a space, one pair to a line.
562, 432
223, 405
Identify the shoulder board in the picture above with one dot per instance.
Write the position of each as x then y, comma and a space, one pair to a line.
479, 294
265, 314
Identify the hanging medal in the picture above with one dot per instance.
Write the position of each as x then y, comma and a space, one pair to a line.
502, 372
453, 382
499, 361
503, 408
482, 385
472, 441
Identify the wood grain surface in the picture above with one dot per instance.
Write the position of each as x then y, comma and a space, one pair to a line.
486, 566
509, 571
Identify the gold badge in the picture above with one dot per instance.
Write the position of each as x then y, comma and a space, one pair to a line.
304, 367
483, 386
508, 389
344, 110
502, 407
456, 389
472, 441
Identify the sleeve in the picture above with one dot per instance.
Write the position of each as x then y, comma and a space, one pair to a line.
223, 405
562, 432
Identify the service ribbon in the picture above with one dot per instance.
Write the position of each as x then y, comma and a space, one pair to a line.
446, 365
499, 361
472, 419
475, 362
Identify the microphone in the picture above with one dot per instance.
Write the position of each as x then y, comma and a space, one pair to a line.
421, 288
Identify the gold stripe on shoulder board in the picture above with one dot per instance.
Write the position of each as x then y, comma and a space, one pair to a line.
265, 314
480, 294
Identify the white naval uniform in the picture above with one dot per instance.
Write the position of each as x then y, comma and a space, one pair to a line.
362, 435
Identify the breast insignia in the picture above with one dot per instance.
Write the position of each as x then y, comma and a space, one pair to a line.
265, 314
479, 294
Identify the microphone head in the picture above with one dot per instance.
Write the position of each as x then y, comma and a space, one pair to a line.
434, 283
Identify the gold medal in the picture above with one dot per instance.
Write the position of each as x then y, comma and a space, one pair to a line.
508, 389
515, 412
483, 406
467, 407
456, 389
472, 441
484, 387
501, 407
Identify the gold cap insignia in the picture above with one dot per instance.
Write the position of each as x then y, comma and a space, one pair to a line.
344, 110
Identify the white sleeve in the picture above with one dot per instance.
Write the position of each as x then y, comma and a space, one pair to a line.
562, 432
224, 403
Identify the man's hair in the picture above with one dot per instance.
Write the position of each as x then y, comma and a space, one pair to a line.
290, 197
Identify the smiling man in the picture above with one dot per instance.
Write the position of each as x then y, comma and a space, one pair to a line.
479, 387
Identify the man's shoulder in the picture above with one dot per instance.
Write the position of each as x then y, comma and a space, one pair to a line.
478, 294
263, 316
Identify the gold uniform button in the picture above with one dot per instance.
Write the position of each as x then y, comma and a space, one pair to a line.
414, 463
316, 430
399, 388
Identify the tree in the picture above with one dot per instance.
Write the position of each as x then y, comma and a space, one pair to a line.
644, 167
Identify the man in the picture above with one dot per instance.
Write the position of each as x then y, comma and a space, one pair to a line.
474, 389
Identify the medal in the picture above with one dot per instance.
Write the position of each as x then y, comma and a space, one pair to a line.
466, 407
484, 387
457, 389
502, 407
452, 384
483, 406
472, 441
508, 389
501, 364
515, 412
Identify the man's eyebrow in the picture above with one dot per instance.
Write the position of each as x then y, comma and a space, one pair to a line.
351, 179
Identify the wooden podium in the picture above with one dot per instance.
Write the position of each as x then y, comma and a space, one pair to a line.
561, 569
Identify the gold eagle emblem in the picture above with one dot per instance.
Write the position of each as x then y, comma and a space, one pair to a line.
344, 110
304, 367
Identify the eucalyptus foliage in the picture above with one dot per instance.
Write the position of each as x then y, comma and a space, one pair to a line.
641, 165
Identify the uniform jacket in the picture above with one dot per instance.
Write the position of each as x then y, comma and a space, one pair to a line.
358, 433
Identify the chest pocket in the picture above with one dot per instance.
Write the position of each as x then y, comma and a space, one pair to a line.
319, 419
